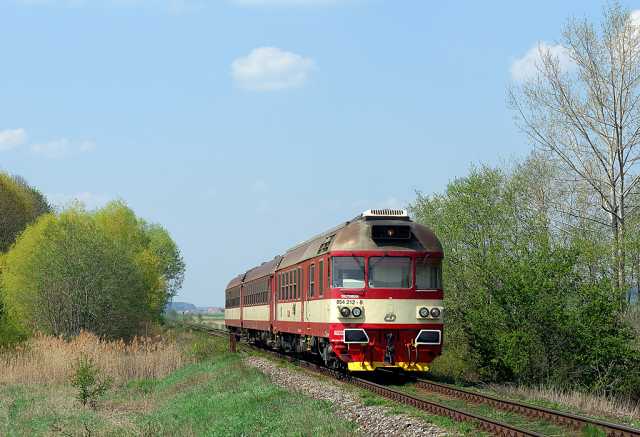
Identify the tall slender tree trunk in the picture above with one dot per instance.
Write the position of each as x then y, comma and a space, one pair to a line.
622, 271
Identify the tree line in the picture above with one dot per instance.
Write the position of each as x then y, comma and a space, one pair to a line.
105, 271
542, 257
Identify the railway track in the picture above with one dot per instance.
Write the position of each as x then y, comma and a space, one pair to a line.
572, 421
569, 420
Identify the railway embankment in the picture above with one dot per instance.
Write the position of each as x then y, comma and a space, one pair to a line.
372, 420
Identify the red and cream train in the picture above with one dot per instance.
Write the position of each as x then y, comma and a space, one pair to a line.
364, 295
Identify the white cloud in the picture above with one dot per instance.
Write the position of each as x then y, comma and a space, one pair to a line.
12, 138
270, 68
526, 67
88, 199
62, 147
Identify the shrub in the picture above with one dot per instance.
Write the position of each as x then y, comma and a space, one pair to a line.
87, 379
98, 271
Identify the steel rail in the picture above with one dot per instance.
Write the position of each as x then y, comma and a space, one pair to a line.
570, 420
486, 424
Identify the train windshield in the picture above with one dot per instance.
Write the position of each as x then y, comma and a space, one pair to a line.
347, 272
428, 274
389, 272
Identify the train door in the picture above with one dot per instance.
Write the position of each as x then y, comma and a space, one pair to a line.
272, 297
276, 296
241, 293
310, 292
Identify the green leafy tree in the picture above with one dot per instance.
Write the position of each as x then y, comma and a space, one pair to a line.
20, 204
526, 301
85, 270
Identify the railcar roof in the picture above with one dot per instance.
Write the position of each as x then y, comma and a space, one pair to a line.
264, 269
349, 236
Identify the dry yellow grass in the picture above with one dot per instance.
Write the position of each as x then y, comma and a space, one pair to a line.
598, 405
49, 360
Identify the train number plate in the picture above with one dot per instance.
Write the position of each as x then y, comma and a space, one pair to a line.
349, 302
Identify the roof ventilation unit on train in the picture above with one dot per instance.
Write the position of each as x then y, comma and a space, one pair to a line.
386, 213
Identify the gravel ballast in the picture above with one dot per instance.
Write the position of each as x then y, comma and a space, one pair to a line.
371, 420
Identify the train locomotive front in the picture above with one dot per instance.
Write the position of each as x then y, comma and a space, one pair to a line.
362, 296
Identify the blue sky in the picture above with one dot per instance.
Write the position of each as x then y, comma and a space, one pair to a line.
246, 126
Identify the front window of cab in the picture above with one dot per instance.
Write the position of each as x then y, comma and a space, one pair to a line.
347, 272
428, 274
389, 272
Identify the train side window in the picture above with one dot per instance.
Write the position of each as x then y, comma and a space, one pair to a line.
428, 274
284, 287
320, 278
294, 293
312, 274
295, 284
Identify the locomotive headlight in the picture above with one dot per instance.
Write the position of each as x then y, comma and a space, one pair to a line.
424, 312
435, 312
345, 311
356, 311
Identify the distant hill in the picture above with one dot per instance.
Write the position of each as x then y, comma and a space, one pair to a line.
186, 307
181, 306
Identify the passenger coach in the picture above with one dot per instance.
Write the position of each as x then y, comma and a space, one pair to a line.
364, 295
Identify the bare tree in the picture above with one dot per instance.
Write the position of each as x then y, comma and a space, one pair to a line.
587, 115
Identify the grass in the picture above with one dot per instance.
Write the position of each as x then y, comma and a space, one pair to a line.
455, 366
594, 405
539, 426
214, 394
49, 360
